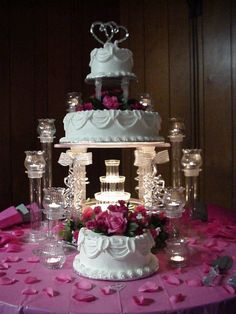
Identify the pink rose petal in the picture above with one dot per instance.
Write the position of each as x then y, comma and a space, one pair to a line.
107, 290
64, 278
6, 281
141, 300
194, 282
4, 266
177, 298
84, 297
149, 286
33, 259
178, 271
2, 273
22, 271
172, 280
229, 289
206, 268
29, 291
12, 247
12, 259
84, 285
18, 232
30, 280
50, 292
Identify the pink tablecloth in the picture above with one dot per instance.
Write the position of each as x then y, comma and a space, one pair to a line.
26, 286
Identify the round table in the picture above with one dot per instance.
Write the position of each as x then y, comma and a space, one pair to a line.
28, 287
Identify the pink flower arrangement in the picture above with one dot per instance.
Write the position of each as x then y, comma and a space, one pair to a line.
112, 99
119, 219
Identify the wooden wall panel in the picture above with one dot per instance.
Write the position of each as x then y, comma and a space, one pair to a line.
5, 135
217, 103
233, 102
22, 94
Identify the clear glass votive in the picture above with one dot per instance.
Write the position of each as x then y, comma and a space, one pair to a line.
177, 252
52, 255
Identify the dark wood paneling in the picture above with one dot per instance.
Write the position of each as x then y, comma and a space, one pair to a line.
233, 101
217, 100
5, 124
22, 93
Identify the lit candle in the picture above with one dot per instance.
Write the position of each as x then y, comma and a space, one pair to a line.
177, 258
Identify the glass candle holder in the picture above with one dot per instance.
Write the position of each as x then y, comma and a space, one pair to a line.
46, 130
191, 162
53, 204
35, 165
146, 101
73, 100
52, 255
177, 253
176, 136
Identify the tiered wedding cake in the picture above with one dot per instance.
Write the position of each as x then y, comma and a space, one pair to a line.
115, 243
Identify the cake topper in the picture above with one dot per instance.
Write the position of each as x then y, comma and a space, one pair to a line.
110, 29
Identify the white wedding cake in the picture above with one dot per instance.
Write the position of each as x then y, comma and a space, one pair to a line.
115, 257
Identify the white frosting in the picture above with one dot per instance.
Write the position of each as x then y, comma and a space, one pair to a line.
111, 126
111, 61
114, 257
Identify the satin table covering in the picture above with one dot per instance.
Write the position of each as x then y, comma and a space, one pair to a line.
26, 286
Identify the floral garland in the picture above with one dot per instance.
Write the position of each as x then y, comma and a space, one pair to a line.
118, 219
112, 99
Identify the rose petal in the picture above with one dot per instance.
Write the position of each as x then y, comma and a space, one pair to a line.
84, 285
2, 273
11, 247
141, 300
29, 291
18, 232
149, 286
12, 259
172, 280
229, 289
84, 297
194, 282
30, 280
33, 259
4, 266
22, 271
107, 290
6, 281
206, 268
177, 298
64, 278
50, 292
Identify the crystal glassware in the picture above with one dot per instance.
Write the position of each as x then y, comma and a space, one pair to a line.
177, 252
73, 100
176, 136
191, 162
53, 204
35, 165
52, 254
174, 202
46, 130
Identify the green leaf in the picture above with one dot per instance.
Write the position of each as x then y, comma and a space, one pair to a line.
223, 262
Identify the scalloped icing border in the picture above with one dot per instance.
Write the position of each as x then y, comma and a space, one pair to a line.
133, 274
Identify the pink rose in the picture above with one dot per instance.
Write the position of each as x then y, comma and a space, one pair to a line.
85, 106
91, 225
116, 224
111, 102
87, 214
121, 208
97, 210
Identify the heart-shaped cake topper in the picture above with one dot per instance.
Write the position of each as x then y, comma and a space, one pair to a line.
110, 29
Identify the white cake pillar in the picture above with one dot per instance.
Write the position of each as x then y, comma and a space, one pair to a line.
125, 87
143, 160
77, 159
98, 88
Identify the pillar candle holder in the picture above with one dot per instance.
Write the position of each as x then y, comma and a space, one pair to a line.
35, 165
176, 136
177, 252
192, 162
72, 101
46, 130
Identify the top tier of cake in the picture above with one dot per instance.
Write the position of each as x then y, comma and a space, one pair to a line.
110, 62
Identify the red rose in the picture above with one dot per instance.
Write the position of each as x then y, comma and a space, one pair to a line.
116, 224
87, 214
